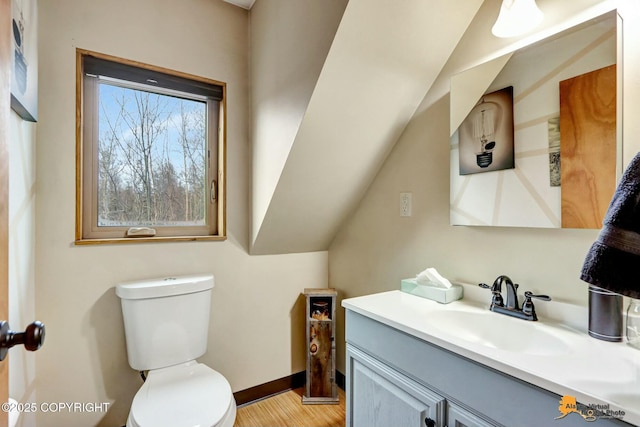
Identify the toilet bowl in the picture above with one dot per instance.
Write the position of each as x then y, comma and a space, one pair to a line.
189, 395
166, 328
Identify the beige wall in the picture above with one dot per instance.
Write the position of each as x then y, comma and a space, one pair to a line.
382, 61
22, 246
376, 248
257, 332
289, 43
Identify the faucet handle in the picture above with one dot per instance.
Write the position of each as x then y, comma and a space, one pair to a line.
527, 306
528, 295
497, 296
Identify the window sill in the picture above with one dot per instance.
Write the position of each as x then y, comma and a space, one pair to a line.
112, 241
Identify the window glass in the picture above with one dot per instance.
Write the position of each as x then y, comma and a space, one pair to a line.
151, 158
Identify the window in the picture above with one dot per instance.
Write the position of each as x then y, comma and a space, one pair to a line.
150, 153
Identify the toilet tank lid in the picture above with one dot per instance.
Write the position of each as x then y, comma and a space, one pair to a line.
164, 287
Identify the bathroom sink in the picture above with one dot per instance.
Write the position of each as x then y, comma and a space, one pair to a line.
499, 331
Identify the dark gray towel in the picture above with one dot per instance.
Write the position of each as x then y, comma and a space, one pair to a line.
613, 262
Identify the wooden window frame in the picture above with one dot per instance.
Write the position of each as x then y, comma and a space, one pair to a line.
87, 231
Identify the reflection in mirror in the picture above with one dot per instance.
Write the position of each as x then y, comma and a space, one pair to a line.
528, 195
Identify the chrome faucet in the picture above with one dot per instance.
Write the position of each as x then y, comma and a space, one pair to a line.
512, 308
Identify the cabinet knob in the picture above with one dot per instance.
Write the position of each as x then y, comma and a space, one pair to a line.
429, 422
32, 338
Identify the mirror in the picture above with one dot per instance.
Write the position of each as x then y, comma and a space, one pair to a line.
525, 194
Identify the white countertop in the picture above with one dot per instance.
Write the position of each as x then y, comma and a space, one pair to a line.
561, 357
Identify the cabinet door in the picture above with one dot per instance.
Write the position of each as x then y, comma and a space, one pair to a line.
379, 396
458, 417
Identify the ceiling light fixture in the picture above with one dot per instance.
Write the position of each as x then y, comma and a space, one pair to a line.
516, 17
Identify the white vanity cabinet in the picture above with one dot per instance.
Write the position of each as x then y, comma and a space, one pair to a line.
396, 379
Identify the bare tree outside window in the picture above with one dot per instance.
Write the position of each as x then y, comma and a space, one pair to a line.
152, 152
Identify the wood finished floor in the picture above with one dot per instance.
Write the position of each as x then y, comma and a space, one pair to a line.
286, 410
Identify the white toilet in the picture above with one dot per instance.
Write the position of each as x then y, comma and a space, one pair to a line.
166, 324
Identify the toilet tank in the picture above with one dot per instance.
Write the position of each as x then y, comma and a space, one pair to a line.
166, 321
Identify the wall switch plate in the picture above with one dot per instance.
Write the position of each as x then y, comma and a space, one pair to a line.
405, 204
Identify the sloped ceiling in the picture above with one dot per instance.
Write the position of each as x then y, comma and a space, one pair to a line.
245, 4
384, 57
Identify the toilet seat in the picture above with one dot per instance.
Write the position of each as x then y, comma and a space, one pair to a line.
186, 395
